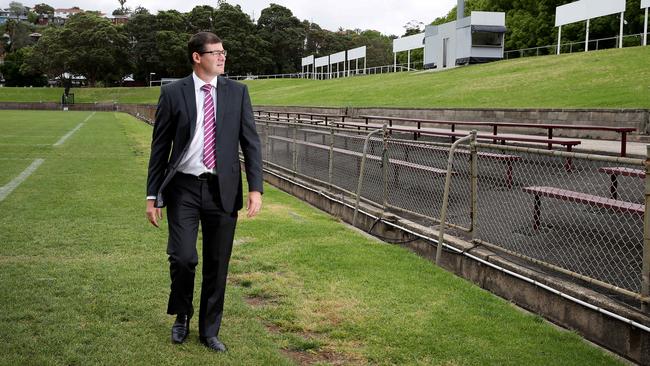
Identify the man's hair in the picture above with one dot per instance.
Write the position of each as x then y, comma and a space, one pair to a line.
198, 42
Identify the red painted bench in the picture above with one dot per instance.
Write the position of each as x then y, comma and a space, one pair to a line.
549, 127
579, 197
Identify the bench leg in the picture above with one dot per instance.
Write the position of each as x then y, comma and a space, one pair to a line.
537, 213
509, 174
568, 165
613, 188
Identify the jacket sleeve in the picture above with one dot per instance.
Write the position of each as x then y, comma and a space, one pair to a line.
250, 144
161, 143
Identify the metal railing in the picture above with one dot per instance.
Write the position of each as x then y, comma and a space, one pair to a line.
568, 212
630, 40
329, 75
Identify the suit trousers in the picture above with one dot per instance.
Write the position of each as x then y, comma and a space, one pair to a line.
190, 201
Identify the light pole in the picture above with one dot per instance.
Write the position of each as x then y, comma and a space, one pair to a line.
151, 74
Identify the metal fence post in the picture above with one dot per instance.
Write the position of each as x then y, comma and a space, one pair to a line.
330, 167
362, 171
294, 151
645, 275
445, 197
267, 130
384, 169
474, 185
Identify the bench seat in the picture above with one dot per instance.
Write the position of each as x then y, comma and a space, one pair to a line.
579, 197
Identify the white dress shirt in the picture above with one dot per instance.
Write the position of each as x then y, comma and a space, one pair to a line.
192, 162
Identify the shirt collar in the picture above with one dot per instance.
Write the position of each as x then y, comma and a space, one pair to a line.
198, 83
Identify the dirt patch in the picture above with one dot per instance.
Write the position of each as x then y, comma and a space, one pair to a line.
276, 209
256, 302
244, 240
322, 356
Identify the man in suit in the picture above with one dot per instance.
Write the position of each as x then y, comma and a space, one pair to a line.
194, 170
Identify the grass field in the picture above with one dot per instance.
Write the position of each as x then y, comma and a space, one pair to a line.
616, 78
84, 277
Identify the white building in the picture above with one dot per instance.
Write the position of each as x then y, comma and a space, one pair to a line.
468, 40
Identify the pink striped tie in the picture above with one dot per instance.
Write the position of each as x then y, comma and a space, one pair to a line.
208, 127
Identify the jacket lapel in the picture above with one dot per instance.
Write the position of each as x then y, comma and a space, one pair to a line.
190, 103
222, 102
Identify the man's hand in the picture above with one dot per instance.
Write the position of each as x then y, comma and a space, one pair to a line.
153, 213
254, 203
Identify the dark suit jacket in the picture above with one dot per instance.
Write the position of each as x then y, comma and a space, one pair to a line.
235, 125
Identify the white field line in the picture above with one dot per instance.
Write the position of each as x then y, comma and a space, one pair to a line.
67, 135
12, 144
9, 187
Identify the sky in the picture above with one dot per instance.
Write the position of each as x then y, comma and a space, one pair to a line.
387, 16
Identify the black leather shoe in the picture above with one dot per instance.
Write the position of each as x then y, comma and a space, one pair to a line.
213, 343
181, 328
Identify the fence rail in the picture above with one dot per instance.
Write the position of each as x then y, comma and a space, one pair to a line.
329, 75
580, 214
630, 40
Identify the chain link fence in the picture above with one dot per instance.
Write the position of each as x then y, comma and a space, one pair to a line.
582, 215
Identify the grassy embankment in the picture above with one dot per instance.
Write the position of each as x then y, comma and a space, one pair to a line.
617, 78
84, 277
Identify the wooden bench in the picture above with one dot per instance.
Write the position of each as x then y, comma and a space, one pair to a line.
311, 116
614, 172
406, 164
579, 197
549, 127
568, 143
290, 119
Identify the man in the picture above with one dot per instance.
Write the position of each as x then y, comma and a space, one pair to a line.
194, 170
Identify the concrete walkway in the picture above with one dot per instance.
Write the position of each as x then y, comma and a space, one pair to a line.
610, 147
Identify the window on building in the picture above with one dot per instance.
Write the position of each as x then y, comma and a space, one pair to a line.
486, 39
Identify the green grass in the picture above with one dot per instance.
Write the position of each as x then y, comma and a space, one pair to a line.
602, 79
617, 78
85, 278
144, 95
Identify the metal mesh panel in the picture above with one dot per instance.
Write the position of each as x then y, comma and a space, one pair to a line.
567, 212
578, 214
280, 146
416, 180
313, 153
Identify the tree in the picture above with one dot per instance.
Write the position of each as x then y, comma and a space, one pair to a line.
100, 50
379, 48
201, 18
172, 54
236, 29
43, 9
15, 75
141, 31
172, 20
285, 36
49, 55
140, 10
17, 9
18, 33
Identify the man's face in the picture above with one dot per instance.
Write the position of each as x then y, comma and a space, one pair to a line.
209, 62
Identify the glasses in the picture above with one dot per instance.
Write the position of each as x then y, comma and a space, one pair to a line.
223, 53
